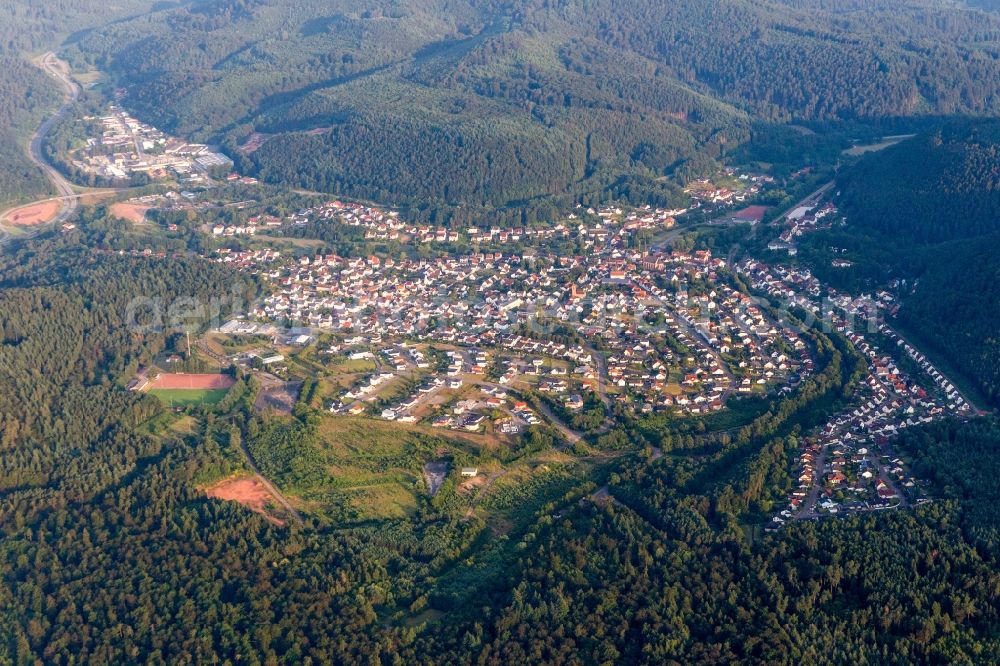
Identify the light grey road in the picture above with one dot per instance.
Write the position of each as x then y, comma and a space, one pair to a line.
58, 70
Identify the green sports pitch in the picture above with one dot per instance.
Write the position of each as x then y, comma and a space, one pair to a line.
189, 397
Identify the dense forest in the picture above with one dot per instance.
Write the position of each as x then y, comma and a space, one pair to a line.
940, 186
953, 309
28, 25
496, 104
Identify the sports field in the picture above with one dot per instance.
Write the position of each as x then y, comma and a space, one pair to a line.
183, 380
189, 397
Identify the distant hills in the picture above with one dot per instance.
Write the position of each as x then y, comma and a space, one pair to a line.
943, 185
482, 103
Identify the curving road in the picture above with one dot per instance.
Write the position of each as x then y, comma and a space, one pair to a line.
67, 196
58, 70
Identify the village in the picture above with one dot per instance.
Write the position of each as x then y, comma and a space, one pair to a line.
653, 332
849, 464
487, 340
381, 225
452, 340
460, 340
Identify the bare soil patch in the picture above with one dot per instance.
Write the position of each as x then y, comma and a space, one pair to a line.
434, 474
255, 141
248, 491
29, 216
279, 396
469, 485
130, 212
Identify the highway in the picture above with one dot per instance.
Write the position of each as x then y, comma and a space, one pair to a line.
58, 70
67, 197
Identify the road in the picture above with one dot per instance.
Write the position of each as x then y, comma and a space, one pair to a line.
602, 375
975, 408
808, 509
270, 486
204, 348
572, 436
695, 332
68, 198
131, 132
58, 70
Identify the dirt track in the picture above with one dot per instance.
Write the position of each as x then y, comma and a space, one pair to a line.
186, 381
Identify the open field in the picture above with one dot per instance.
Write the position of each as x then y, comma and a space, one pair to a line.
855, 151
94, 197
189, 397
181, 380
248, 491
34, 214
134, 213
349, 469
353, 367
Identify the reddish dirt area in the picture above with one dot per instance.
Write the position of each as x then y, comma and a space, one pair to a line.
134, 213
180, 380
255, 141
249, 492
28, 216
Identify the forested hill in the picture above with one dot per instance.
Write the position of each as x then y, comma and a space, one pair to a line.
31, 25
928, 211
484, 102
24, 95
937, 187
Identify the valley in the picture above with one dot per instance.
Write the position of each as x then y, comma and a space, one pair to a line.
462, 332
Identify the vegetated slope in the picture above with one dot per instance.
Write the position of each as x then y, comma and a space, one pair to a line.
488, 103
928, 210
954, 309
29, 25
940, 186
25, 94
